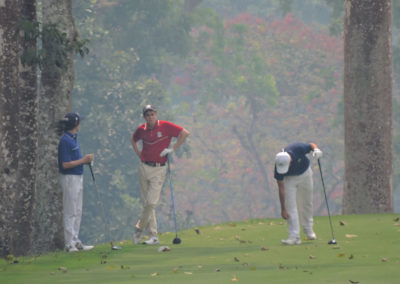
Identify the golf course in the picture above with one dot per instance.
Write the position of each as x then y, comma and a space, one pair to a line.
367, 251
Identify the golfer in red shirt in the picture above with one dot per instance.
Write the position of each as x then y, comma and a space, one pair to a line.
156, 137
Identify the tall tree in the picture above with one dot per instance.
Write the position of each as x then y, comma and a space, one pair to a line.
18, 138
57, 79
368, 106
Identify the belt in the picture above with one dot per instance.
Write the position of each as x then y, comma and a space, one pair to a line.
153, 164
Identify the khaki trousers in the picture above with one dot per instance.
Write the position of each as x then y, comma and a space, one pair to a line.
299, 203
151, 181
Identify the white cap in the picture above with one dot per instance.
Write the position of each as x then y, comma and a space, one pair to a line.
282, 162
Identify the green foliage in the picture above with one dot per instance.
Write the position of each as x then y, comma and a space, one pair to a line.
57, 47
243, 252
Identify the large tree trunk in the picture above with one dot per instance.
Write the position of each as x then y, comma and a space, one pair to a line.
368, 107
54, 102
18, 139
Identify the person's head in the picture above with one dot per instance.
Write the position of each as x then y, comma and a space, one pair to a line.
71, 122
150, 115
282, 162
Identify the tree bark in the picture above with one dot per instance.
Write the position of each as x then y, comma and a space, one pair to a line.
368, 107
54, 102
18, 137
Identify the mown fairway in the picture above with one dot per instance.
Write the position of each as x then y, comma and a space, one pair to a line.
368, 251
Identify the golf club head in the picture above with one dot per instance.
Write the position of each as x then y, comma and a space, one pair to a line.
332, 242
176, 241
114, 247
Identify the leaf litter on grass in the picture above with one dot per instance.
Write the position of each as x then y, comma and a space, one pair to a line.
279, 265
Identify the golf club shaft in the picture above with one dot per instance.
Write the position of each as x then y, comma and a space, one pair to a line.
107, 231
326, 199
172, 196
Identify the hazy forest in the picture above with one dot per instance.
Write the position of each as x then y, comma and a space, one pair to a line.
244, 77
290, 91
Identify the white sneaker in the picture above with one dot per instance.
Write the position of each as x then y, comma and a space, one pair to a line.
71, 249
151, 241
311, 236
137, 237
290, 241
81, 246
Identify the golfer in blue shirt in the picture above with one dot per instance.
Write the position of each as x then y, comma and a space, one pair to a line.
294, 177
70, 164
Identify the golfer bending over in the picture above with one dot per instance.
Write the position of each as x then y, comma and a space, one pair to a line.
156, 137
294, 177
70, 164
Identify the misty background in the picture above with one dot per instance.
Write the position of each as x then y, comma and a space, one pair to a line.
244, 77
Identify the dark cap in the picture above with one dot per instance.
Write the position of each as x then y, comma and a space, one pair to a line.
72, 119
147, 108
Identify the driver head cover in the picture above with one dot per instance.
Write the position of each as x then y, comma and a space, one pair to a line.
282, 162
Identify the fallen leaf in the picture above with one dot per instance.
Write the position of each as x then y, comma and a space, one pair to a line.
155, 274
260, 223
264, 248
353, 282
217, 228
188, 273
245, 264
350, 236
384, 259
340, 255
312, 256
63, 269
235, 279
176, 270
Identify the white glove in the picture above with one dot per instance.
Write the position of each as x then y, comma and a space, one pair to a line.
166, 151
317, 153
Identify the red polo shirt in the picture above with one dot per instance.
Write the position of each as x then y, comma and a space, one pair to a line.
155, 140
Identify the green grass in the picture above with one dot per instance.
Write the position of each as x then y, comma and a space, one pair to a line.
368, 251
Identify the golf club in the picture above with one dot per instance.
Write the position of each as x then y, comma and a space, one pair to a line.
107, 230
333, 241
177, 240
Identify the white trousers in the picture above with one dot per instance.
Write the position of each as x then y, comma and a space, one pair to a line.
299, 203
72, 186
151, 180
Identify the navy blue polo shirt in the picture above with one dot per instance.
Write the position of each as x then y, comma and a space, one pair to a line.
300, 162
69, 150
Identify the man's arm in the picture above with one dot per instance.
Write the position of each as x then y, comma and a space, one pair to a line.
181, 138
135, 146
281, 187
72, 164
